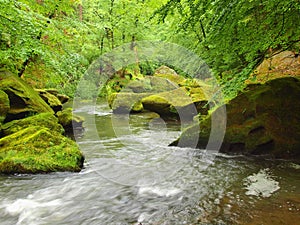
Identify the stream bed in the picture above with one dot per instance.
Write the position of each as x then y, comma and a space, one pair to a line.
131, 176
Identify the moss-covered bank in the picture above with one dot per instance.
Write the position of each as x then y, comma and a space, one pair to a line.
69, 121
165, 92
46, 120
261, 120
38, 149
23, 100
31, 135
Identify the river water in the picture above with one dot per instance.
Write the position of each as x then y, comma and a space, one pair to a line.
131, 176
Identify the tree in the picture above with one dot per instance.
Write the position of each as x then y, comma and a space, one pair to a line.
235, 36
39, 41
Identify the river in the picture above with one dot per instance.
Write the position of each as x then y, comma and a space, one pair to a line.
131, 176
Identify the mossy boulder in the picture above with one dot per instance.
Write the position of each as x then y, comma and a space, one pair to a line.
138, 86
4, 105
165, 93
261, 120
175, 103
161, 84
157, 104
24, 101
38, 149
69, 121
168, 73
50, 99
164, 70
150, 84
61, 97
129, 99
125, 102
46, 120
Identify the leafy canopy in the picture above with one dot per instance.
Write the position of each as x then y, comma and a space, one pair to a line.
234, 36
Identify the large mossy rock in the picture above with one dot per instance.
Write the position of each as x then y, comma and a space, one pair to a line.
50, 99
129, 99
4, 105
70, 122
37, 149
125, 102
175, 103
161, 84
61, 97
24, 101
46, 120
166, 93
151, 84
168, 73
138, 86
264, 119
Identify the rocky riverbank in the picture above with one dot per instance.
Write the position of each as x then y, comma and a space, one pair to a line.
165, 93
33, 128
264, 118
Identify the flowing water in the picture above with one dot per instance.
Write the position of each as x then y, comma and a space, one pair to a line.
132, 177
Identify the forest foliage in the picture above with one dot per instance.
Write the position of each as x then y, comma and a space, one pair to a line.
235, 36
52, 43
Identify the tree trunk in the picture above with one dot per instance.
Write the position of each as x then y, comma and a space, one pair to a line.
112, 28
101, 45
134, 49
80, 11
202, 29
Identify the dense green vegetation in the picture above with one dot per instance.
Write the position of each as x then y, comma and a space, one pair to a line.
52, 43
232, 36
39, 41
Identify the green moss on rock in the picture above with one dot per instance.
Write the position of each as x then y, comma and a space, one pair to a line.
164, 70
46, 120
161, 84
166, 93
174, 103
50, 99
4, 105
150, 84
158, 104
38, 149
23, 99
70, 121
125, 102
168, 73
63, 98
139, 86
261, 120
